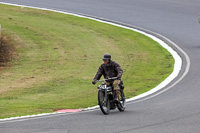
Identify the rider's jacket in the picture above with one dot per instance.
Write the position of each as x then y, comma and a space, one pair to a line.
110, 70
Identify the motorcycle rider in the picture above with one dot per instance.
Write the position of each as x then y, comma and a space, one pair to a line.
110, 69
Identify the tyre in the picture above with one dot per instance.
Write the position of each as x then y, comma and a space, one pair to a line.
122, 101
104, 103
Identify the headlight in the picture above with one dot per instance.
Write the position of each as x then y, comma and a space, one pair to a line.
101, 87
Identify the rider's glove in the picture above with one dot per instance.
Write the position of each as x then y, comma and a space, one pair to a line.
94, 82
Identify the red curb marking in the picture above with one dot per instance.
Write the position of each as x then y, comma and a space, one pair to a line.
69, 110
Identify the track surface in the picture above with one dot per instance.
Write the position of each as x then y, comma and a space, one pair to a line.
177, 110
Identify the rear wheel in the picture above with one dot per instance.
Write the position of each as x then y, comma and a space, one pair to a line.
103, 102
122, 101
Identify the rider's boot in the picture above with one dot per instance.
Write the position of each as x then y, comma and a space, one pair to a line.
116, 96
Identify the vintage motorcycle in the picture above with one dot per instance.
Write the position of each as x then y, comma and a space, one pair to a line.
106, 97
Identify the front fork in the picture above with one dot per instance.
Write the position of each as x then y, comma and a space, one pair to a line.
106, 93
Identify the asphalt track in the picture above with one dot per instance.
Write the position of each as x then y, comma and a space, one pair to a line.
176, 110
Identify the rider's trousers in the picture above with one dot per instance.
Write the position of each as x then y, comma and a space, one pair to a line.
115, 84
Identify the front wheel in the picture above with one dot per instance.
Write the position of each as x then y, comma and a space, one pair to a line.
103, 102
122, 101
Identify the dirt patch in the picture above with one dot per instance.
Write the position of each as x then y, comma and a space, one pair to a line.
7, 51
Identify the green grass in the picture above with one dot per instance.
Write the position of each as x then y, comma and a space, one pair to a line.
58, 55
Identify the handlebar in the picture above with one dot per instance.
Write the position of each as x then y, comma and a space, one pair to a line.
106, 79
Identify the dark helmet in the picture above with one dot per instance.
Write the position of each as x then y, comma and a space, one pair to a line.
106, 57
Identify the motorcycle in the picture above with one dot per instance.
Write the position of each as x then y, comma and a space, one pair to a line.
106, 97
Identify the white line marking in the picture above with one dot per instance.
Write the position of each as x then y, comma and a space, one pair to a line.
184, 74
173, 75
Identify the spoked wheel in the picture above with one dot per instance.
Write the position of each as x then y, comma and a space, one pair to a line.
122, 101
103, 102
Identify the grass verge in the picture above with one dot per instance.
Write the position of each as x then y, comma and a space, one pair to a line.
58, 56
